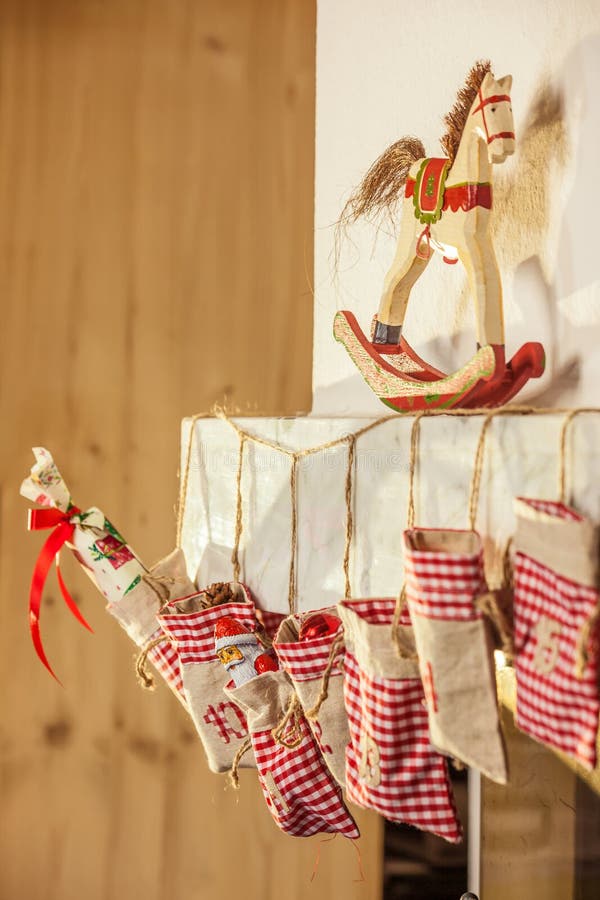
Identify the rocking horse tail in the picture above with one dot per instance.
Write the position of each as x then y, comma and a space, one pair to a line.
380, 188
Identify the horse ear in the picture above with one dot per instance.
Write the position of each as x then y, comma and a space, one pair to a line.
488, 80
506, 83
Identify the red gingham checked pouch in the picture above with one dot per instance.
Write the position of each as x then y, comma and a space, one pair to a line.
556, 633
444, 584
391, 766
305, 662
299, 790
190, 626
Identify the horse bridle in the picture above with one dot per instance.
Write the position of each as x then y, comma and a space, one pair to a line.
483, 102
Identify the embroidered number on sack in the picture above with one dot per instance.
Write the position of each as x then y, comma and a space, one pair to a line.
318, 733
369, 770
547, 635
228, 719
274, 791
429, 687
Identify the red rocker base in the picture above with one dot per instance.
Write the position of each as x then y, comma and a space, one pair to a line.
411, 384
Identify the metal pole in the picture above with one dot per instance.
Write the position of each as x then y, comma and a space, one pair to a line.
474, 848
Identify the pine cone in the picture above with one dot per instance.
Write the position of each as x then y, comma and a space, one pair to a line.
219, 592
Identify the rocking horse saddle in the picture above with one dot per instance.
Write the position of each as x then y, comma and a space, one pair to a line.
431, 196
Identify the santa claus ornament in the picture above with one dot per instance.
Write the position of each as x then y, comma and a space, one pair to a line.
240, 651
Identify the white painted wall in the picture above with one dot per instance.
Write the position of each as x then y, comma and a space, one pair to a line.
385, 69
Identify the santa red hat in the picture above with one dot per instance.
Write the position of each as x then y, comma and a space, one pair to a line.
229, 631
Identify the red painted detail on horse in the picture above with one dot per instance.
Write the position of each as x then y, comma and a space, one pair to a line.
460, 196
432, 184
424, 236
467, 196
501, 134
495, 98
427, 373
528, 362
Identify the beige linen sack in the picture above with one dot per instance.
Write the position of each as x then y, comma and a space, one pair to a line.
306, 662
445, 587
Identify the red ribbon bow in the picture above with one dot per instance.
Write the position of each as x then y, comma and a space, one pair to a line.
40, 519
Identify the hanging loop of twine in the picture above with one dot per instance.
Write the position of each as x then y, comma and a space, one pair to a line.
591, 623
489, 605
349, 513
161, 585
562, 456
290, 737
293, 532
145, 679
404, 650
336, 648
235, 554
234, 777
478, 470
415, 436
588, 630
183, 489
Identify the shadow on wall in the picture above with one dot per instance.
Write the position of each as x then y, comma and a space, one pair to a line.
524, 197
543, 229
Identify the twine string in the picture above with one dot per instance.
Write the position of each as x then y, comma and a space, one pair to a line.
235, 554
349, 514
590, 625
234, 777
490, 607
334, 651
161, 585
293, 532
296, 455
588, 630
415, 436
292, 737
562, 456
403, 649
219, 413
474, 490
145, 679
183, 490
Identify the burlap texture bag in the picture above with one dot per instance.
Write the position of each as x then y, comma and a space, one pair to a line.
190, 626
556, 608
136, 612
299, 790
391, 766
445, 582
305, 662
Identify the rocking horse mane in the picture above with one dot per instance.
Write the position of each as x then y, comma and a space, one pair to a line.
456, 119
379, 191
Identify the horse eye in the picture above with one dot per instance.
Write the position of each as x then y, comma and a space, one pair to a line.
493, 109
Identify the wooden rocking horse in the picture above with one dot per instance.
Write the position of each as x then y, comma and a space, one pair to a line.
446, 208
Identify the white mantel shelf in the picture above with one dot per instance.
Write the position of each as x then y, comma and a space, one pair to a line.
521, 459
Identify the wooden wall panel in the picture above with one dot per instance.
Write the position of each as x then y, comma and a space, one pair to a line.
156, 176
